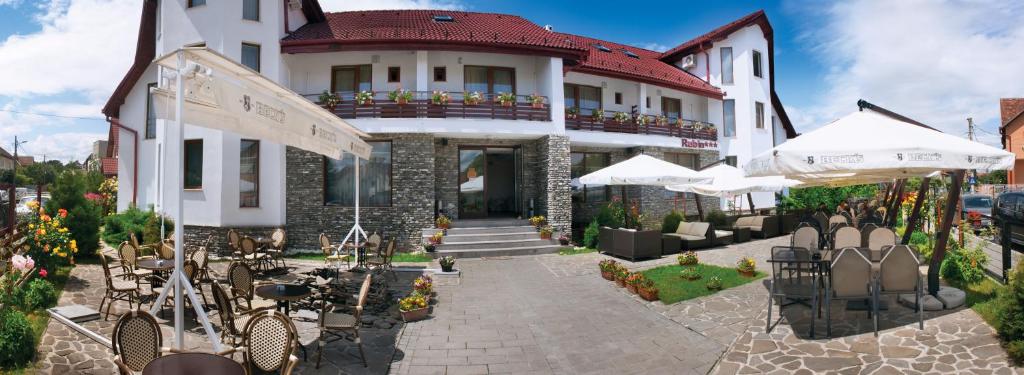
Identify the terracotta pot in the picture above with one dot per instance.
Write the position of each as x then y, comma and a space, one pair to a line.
607, 275
745, 273
620, 282
648, 295
538, 105
414, 315
401, 101
506, 104
545, 236
367, 103
631, 288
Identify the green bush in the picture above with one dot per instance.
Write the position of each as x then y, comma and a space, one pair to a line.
1011, 312
17, 341
40, 294
671, 222
1015, 349
611, 215
117, 227
590, 235
84, 216
717, 218
920, 241
813, 196
966, 265
151, 229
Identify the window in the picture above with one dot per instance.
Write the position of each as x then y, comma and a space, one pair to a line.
195, 3
630, 54
647, 102
193, 164
582, 163
729, 117
757, 64
251, 56
443, 18
726, 65
394, 74
759, 112
350, 79
618, 98
150, 112
730, 160
585, 98
249, 173
251, 10
374, 179
671, 108
490, 80
602, 48
440, 74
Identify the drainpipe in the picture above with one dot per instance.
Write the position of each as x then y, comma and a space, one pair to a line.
135, 156
287, 30
707, 65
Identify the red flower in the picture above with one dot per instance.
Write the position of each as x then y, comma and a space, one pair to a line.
63, 213
42, 272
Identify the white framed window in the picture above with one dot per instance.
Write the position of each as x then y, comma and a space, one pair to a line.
729, 117
251, 10
759, 112
251, 56
726, 65
758, 65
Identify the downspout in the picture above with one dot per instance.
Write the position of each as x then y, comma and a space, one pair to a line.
287, 30
707, 65
135, 156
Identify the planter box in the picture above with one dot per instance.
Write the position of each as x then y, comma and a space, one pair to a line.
631, 288
414, 315
620, 282
608, 275
647, 295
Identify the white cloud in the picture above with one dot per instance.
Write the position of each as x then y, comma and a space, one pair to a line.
345, 5
653, 46
937, 62
63, 146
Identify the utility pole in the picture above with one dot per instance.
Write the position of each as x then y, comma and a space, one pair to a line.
970, 135
14, 175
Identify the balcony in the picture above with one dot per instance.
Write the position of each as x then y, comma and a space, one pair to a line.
681, 128
427, 104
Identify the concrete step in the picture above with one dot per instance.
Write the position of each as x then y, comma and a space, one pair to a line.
502, 236
489, 223
449, 244
499, 252
482, 230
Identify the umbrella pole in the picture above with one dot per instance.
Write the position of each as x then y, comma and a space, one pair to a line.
356, 228
942, 238
915, 213
750, 201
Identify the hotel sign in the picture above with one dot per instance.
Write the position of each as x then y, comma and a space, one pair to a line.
699, 143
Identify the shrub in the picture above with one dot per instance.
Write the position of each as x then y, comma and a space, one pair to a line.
40, 294
611, 215
1010, 313
84, 216
671, 222
688, 258
151, 228
116, 227
919, 240
717, 218
591, 234
714, 283
17, 341
966, 265
1015, 350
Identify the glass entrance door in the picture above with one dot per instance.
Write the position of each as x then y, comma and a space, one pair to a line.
472, 197
489, 182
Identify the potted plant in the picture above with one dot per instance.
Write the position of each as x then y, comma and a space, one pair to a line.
688, 258
661, 120
608, 267
545, 232
505, 99
429, 247
329, 100
472, 98
746, 266
536, 101
620, 275
447, 263
647, 290
439, 98
537, 221
689, 273
680, 123
620, 117
572, 113
633, 280
597, 115
437, 238
714, 283
563, 239
400, 96
443, 222
424, 285
413, 308
364, 98
642, 120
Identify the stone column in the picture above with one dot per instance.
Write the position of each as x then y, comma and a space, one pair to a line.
555, 195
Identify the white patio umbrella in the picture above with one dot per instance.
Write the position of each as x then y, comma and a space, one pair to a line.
213, 91
728, 182
643, 170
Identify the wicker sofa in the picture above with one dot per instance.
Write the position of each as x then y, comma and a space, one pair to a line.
629, 243
689, 236
760, 226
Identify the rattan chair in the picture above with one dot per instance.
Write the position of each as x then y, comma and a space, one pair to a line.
136, 340
339, 324
251, 254
276, 249
268, 341
140, 247
120, 287
849, 279
233, 249
372, 245
899, 274
165, 250
130, 260
202, 258
232, 322
243, 283
332, 253
381, 262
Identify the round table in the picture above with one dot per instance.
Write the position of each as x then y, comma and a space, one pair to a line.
160, 266
193, 364
284, 294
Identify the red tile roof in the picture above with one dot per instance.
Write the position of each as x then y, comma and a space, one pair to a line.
720, 33
109, 166
1010, 109
384, 29
645, 67
145, 52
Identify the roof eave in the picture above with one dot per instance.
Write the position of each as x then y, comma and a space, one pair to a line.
145, 51
335, 45
713, 94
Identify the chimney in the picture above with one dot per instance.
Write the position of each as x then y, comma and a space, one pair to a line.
1010, 108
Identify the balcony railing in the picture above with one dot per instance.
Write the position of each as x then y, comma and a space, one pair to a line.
654, 125
425, 104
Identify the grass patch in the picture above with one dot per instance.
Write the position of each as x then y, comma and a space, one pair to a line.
672, 288
40, 319
981, 297
575, 250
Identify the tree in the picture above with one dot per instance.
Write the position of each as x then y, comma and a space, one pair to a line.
993, 178
84, 216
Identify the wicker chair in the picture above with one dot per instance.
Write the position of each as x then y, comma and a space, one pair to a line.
251, 254
332, 253
120, 287
139, 247
340, 324
268, 341
276, 249
382, 260
166, 250
233, 248
372, 246
130, 260
202, 258
232, 322
243, 283
137, 340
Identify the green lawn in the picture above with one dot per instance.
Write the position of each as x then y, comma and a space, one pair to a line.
981, 297
672, 288
399, 257
573, 251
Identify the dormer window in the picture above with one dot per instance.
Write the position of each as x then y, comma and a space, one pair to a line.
602, 48
630, 54
443, 18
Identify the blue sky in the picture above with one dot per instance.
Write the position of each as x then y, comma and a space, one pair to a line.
936, 61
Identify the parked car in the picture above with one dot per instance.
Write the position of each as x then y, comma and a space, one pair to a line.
976, 210
1008, 215
22, 207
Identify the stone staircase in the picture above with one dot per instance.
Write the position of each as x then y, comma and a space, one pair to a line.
491, 238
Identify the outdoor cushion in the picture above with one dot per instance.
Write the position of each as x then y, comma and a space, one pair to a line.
742, 222
698, 229
688, 237
722, 233
683, 227
755, 228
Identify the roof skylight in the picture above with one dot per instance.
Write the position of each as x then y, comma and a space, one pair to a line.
443, 18
602, 48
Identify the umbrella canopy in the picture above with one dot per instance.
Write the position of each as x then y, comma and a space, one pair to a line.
644, 170
729, 181
866, 146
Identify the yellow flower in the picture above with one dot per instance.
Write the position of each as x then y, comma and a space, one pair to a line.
62, 255
56, 249
31, 226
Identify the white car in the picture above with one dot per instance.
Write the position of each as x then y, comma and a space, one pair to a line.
22, 207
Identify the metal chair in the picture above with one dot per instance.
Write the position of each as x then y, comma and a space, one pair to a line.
120, 287
788, 290
268, 340
136, 340
806, 237
130, 260
849, 279
382, 260
340, 324
865, 233
332, 253
846, 237
898, 274
880, 238
243, 283
232, 322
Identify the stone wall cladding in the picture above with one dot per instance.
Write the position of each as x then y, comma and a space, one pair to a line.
412, 196
446, 169
197, 234
555, 171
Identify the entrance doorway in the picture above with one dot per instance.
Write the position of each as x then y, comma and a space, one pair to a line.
489, 182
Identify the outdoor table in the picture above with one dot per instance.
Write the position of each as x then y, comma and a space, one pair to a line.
158, 266
360, 252
817, 264
193, 364
284, 294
